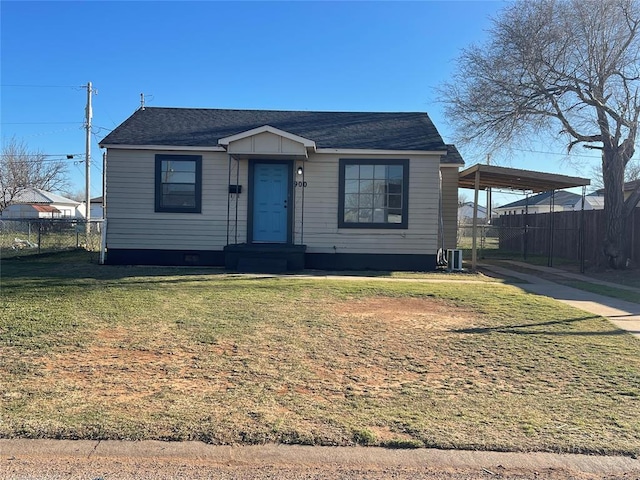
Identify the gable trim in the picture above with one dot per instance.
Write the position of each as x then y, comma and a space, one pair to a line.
267, 129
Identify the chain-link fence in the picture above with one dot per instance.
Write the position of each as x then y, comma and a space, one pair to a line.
29, 236
539, 244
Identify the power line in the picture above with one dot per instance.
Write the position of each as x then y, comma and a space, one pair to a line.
62, 158
41, 86
41, 123
7, 155
593, 157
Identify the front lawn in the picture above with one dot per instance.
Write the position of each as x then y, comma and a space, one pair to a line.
102, 352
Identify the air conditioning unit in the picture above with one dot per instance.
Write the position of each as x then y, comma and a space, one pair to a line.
454, 260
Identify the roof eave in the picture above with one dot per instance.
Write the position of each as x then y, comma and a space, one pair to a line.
172, 148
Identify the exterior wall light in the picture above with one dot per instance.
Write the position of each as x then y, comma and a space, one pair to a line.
299, 171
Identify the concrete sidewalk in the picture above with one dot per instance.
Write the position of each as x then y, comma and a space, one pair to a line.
78, 456
624, 315
572, 276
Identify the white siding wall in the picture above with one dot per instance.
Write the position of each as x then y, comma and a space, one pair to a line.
321, 232
134, 224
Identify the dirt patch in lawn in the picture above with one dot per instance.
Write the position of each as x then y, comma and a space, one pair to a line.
126, 365
408, 312
119, 365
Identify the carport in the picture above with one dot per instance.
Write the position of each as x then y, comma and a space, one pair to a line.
483, 177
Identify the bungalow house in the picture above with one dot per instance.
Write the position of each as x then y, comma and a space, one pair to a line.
541, 203
278, 190
36, 203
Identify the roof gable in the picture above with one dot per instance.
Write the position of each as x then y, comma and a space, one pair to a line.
340, 130
266, 141
267, 129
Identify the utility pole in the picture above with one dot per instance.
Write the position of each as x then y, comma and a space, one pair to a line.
87, 162
488, 216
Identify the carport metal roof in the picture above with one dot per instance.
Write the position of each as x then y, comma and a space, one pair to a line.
492, 176
481, 176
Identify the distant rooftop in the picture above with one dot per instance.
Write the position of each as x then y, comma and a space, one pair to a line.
560, 198
37, 196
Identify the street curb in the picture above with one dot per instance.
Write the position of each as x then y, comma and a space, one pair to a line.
306, 456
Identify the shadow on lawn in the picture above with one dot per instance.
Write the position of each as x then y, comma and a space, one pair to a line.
79, 265
532, 328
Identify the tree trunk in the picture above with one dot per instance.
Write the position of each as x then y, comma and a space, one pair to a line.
615, 240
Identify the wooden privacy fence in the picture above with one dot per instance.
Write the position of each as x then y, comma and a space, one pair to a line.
560, 235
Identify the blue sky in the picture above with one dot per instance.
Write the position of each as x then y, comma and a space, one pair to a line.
341, 56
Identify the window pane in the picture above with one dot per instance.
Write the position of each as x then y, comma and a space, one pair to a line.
364, 216
351, 186
352, 172
174, 171
395, 187
366, 201
395, 201
351, 200
395, 172
394, 216
366, 186
378, 215
178, 166
178, 195
379, 186
380, 172
378, 201
351, 215
366, 172
179, 188
179, 177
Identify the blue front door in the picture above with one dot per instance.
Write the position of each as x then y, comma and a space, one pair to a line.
270, 195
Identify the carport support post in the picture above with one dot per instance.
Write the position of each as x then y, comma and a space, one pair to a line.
526, 225
582, 237
228, 199
474, 251
552, 204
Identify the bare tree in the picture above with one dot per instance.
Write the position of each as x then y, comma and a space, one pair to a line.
550, 65
21, 168
631, 174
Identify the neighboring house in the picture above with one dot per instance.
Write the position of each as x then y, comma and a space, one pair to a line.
37, 203
627, 189
97, 211
541, 203
277, 190
465, 213
591, 202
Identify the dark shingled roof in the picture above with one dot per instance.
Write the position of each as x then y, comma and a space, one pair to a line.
453, 155
350, 130
560, 198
